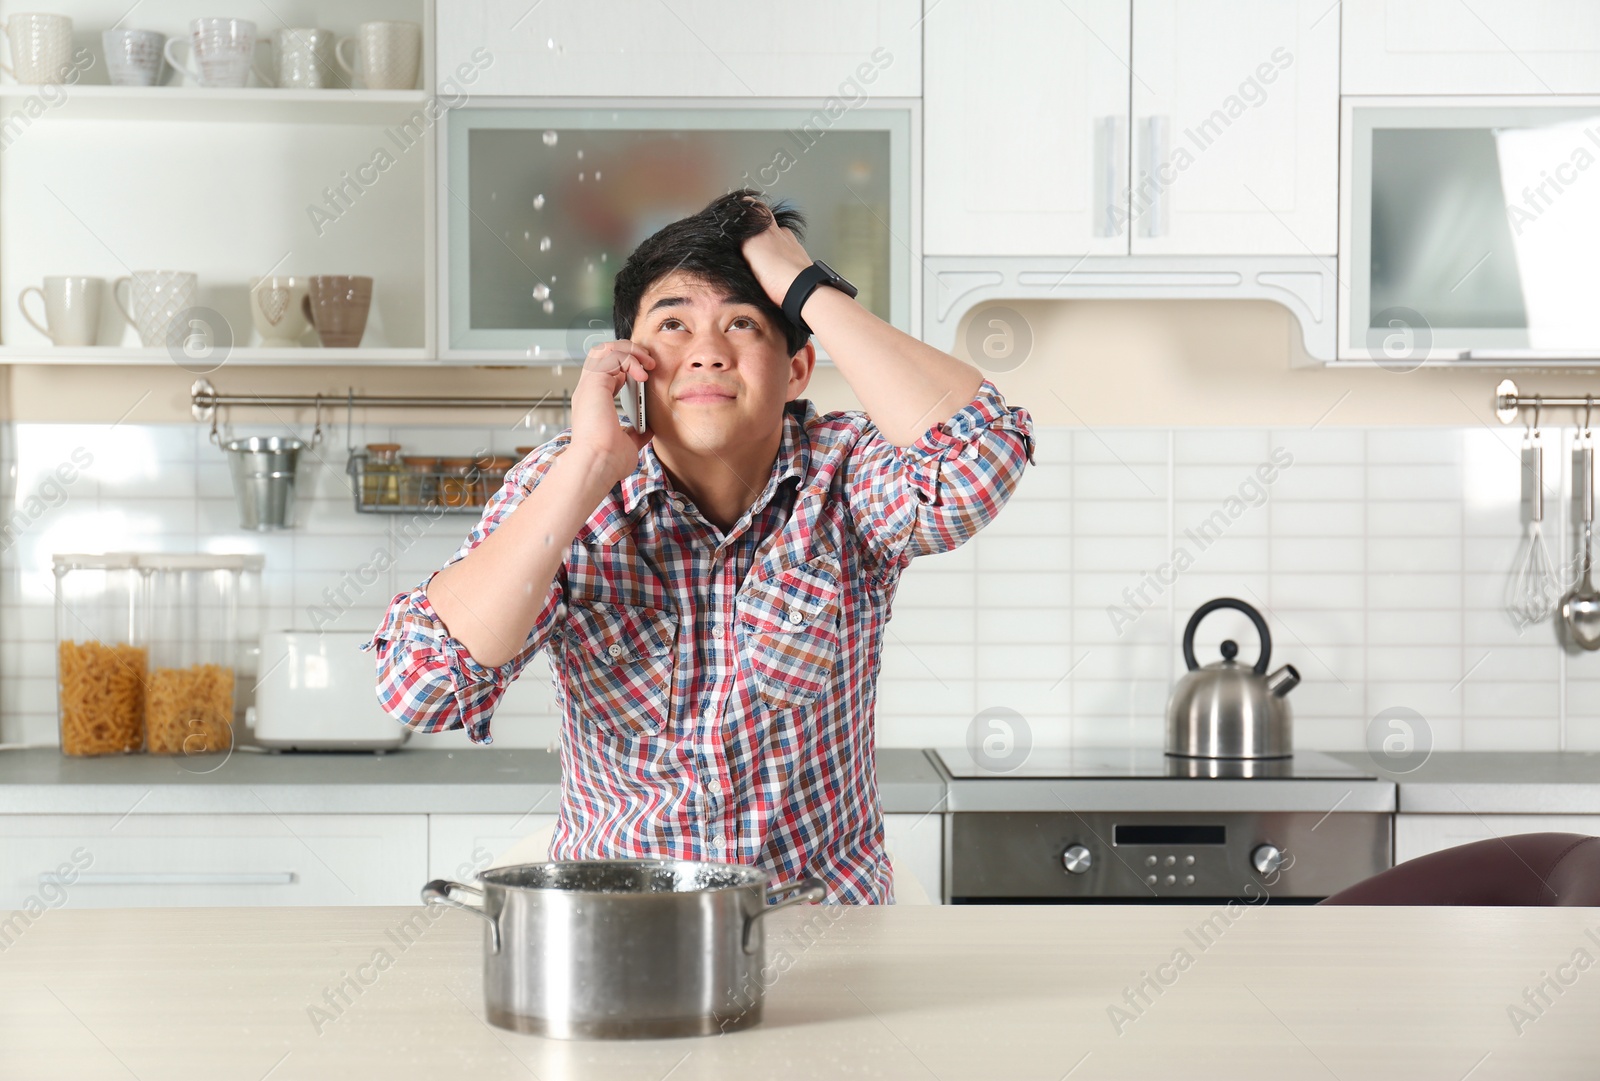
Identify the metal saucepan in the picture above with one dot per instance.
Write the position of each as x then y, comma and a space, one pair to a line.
616, 949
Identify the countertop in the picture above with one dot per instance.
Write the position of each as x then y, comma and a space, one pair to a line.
990, 992
469, 781
1496, 782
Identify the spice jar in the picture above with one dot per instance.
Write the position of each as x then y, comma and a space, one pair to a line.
380, 483
419, 481
491, 475
456, 482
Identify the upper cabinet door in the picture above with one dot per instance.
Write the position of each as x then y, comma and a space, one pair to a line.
850, 49
1025, 127
1235, 127
1485, 47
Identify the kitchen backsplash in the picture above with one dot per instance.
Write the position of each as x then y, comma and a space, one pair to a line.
1379, 556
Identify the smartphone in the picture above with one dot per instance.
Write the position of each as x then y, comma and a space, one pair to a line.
633, 405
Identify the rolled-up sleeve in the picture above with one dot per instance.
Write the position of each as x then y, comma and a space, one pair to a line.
933, 495
427, 679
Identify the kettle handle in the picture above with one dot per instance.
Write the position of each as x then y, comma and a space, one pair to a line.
1227, 602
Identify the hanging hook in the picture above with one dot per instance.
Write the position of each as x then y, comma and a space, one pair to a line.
316, 430
214, 436
350, 419
1538, 404
1588, 406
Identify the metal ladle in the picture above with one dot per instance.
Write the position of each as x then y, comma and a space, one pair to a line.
1580, 609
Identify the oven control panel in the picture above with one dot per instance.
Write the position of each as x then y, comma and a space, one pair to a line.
1025, 856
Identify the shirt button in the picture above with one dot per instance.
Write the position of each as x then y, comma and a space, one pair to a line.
614, 649
715, 842
794, 615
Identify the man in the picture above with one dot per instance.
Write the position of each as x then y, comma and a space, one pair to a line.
713, 591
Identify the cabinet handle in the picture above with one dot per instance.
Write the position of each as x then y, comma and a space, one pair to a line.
1153, 222
1110, 163
178, 878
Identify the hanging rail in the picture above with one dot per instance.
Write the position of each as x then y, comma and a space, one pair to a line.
204, 400
1507, 402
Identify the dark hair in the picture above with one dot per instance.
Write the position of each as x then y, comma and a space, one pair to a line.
707, 245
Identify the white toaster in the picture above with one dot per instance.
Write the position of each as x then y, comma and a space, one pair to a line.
317, 693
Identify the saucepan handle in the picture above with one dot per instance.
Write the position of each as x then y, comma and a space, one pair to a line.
438, 892
806, 890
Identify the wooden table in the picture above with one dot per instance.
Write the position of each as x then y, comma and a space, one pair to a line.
942, 993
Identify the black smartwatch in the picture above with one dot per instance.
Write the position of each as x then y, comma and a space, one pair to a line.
818, 273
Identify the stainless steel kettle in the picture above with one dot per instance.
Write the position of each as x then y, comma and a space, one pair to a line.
1226, 710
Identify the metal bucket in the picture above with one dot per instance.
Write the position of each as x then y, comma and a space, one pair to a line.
264, 470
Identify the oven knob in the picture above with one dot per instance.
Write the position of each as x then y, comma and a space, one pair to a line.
1077, 859
1266, 859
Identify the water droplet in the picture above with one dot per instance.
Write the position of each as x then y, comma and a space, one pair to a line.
527, 234
541, 291
552, 279
493, 195
538, 202
550, 44
548, 306
544, 243
550, 138
597, 174
580, 178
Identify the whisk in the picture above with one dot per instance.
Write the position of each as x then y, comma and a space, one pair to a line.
1534, 588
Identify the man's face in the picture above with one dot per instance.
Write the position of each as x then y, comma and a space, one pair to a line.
723, 370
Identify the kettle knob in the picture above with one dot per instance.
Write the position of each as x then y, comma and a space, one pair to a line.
1230, 649
1234, 603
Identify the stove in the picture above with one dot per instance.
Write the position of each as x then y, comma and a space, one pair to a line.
1119, 825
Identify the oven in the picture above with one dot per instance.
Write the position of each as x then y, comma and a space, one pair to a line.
1135, 827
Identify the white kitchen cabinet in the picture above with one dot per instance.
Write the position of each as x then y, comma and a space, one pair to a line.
1482, 47
1235, 133
916, 845
133, 861
689, 48
1025, 110
461, 845
1419, 834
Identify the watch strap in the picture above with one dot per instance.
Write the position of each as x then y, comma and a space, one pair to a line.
800, 291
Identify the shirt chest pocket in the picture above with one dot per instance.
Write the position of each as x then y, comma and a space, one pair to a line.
619, 663
789, 626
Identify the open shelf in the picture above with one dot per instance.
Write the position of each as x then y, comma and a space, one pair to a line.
242, 355
252, 104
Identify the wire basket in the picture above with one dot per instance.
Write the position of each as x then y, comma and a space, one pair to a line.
464, 488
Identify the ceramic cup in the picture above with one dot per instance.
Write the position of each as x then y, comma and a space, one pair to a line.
302, 59
337, 305
157, 301
224, 48
71, 309
41, 47
391, 55
277, 307
133, 57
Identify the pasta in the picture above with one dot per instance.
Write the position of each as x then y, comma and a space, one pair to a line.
102, 698
190, 710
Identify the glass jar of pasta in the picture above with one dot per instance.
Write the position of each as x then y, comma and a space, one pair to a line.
202, 627
101, 654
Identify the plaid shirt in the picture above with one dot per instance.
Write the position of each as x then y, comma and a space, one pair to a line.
717, 690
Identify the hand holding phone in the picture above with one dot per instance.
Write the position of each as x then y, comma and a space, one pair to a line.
633, 403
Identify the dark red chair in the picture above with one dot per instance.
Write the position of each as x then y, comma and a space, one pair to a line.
1520, 870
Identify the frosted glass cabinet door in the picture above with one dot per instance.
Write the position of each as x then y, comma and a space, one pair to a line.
689, 48
1235, 127
1025, 127
1485, 47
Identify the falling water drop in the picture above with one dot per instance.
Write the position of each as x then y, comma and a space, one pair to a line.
541, 291
527, 234
580, 155
548, 306
603, 258
538, 202
550, 43
597, 175
550, 138
580, 178
544, 243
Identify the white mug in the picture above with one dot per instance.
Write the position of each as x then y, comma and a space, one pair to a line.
391, 55
41, 47
71, 309
277, 307
133, 57
224, 48
158, 298
302, 58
